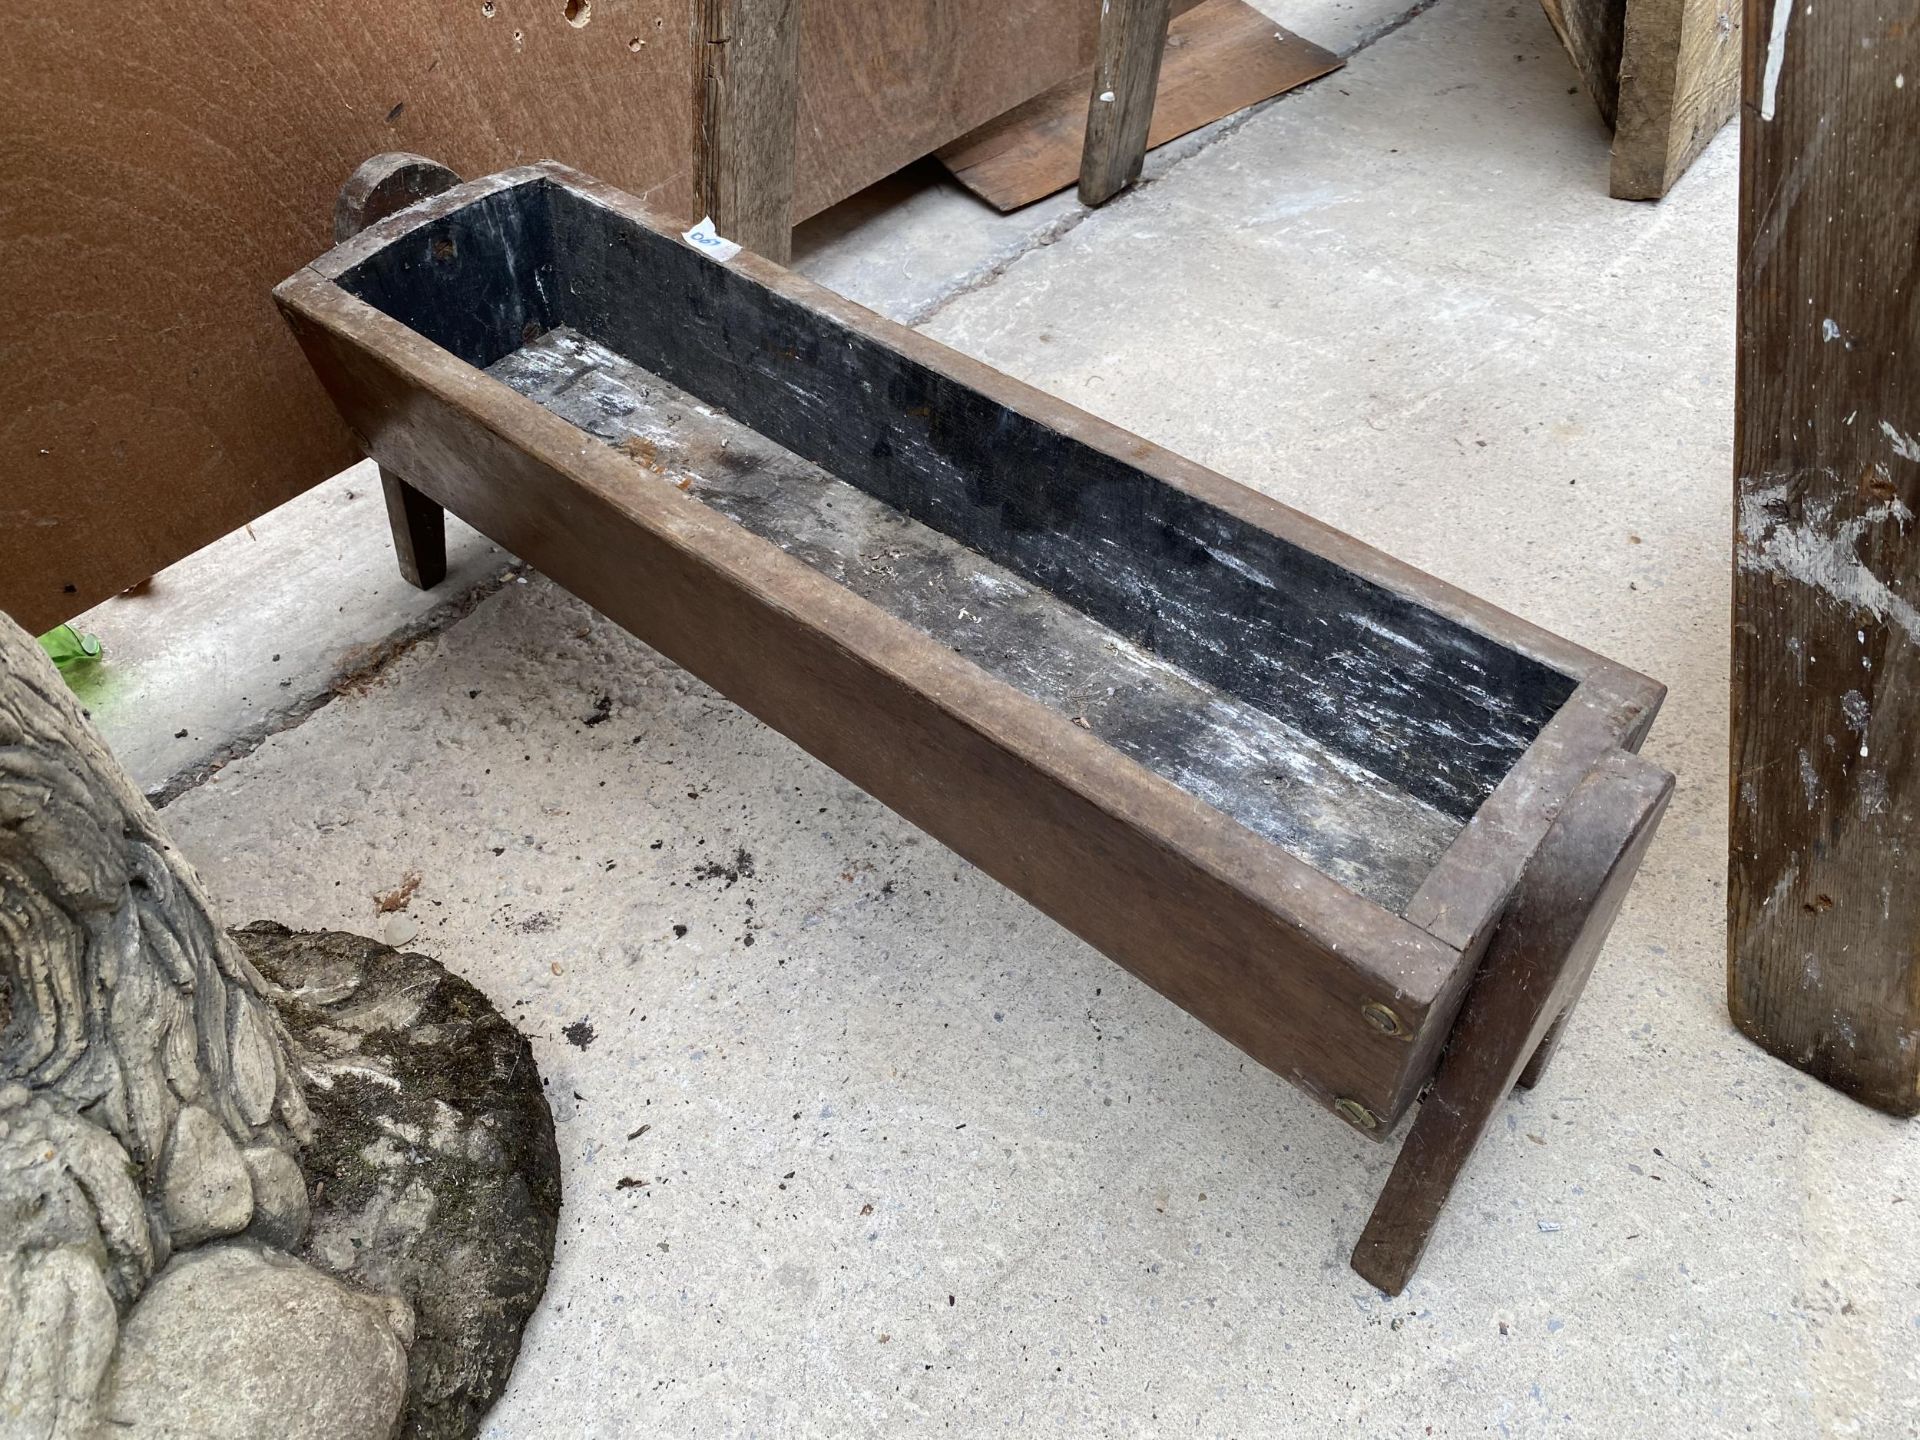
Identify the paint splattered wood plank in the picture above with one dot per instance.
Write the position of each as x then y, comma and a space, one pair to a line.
1823, 911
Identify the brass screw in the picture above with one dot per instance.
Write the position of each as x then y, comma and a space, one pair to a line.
1382, 1018
1357, 1113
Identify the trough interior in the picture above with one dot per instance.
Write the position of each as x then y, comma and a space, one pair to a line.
1350, 725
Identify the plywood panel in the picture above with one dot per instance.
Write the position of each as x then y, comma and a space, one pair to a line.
883, 82
163, 170
165, 164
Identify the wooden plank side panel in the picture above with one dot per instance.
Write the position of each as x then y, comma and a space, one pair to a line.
1142, 871
746, 75
1593, 32
884, 82
1823, 911
1679, 83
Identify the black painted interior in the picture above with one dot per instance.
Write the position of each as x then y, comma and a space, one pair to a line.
1436, 708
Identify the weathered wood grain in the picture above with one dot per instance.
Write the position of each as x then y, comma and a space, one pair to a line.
1592, 32
1823, 911
1679, 83
746, 78
1221, 56
1664, 74
383, 185
1548, 940
1126, 74
884, 82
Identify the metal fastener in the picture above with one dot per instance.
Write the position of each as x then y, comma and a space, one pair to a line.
1382, 1018
1354, 1111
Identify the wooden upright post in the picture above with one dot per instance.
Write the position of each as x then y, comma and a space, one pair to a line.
746, 92
1665, 74
1823, 891
1126, 79
1679, 84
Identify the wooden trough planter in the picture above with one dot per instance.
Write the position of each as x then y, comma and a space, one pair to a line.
1369, 829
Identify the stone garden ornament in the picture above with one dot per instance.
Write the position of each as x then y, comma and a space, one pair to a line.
163, 1271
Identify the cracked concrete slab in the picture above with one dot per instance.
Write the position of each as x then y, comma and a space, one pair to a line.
254, 632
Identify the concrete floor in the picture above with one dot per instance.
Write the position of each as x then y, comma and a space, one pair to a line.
916, 1161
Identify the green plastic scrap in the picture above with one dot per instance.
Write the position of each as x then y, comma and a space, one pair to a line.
70, 649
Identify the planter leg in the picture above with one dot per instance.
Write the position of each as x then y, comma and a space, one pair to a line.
1537, 961
419, 532
1536, 1068
378, 188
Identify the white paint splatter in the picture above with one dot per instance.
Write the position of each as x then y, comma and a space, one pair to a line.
1809, 780
1776, 57
1782, 885
1240, 567
1872, 789
1367, 622
1829, 331
1905, 446
1821, 551
1854, 706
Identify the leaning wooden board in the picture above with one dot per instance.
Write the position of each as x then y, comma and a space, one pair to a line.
1664, 74
164, 164
1221, 56
1301, 789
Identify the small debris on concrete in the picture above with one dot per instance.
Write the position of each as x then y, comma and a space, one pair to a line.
399, 897
741, 868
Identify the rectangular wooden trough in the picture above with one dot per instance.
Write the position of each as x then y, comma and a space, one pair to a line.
1367, 828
